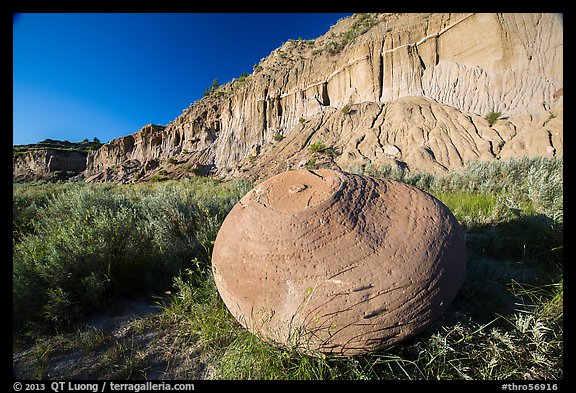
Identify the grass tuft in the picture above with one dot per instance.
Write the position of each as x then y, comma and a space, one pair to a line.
78, 247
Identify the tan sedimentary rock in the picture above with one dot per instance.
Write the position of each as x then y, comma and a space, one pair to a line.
420, 82
336, 263
44, 163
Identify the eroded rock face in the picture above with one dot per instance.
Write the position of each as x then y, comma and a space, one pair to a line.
413, 89
44, 163
337, 263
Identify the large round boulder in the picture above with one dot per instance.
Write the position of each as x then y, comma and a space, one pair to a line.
330, 262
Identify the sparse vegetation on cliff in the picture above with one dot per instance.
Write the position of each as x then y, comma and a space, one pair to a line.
241, 79
300, 80
54, 144
321, 148
363, 22
213, 88
492, 117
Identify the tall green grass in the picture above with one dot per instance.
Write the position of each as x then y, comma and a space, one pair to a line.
520, 185
78, 247
506, 321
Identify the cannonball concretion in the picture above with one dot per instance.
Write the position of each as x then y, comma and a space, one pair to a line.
335, 263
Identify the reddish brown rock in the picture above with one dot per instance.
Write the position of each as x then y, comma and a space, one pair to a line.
331, 262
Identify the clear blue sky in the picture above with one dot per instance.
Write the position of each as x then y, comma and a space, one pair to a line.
89, 75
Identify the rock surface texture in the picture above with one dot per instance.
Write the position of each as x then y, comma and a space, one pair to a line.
402, 89
45, 163
323, 261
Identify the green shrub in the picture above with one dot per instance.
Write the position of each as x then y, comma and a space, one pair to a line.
197, 301
311, 163
212, 89
362, 24
239, 82
334, 47
87, 245
90, 244
28, 200
506, 321
242, 78
529, 185
492, 117
317, 147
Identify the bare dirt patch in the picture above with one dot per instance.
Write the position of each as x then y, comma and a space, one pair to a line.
130, 340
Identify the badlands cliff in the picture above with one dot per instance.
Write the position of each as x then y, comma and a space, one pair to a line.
411, 90
48, 164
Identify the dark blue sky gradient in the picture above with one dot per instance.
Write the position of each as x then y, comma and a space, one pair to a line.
92, 75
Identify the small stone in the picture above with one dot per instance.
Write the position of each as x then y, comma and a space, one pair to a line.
391, 150
297, 188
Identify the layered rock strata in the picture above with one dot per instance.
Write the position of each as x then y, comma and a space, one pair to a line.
47, 164
407, 89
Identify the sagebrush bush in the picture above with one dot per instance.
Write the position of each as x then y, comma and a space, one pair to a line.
522, 184
90, 244
27, 201
86, 244
80, 245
